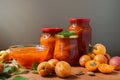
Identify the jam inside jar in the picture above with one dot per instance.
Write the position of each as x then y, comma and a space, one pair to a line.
48, 39
82, 28
66, 48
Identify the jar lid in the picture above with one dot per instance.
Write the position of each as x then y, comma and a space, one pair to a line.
67, 34
51, 30
73, 20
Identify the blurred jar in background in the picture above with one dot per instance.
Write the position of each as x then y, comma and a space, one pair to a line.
81, 27
66, 48
48, 39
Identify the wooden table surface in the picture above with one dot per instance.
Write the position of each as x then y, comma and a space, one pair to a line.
98, 76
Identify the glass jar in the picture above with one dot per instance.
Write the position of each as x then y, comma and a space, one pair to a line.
81, 27
48, 39
66, 48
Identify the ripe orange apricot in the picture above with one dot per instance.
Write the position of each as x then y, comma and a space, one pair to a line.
105, 68
92, 55
83, 59
101, 58
92, 65
99, 49
107, 56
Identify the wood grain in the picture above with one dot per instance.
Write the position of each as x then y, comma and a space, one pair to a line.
98, 76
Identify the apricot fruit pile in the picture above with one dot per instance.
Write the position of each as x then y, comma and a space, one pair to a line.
97, 59
60, 68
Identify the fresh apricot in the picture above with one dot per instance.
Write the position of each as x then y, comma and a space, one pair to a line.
53, 63
99, 49
4, 55
105, 68
101, 58
83, 59
92, 65
92, 55
44, 69
63, 69
107, 56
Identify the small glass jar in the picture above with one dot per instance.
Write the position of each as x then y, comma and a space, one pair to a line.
66, 48
81, 27
48, 39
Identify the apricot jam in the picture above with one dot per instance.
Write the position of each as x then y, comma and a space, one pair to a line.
48, 39
66, 48
27, 55
82, 28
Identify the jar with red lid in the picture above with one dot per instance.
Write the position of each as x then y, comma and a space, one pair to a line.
81, 27
48, 39
66, 48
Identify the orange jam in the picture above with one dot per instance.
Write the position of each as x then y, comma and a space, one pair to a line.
48, 39
82, 28
26, 55
66, 48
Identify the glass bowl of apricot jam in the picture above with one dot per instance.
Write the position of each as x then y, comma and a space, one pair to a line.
26, 55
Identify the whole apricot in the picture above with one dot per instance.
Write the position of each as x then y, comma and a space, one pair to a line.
92, 55
115, 61
83, 59
99, 49
53, 63
63, 69
101, 58
4, 55
44, 69
107, 56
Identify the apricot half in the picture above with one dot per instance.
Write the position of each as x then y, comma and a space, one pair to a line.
92, 65
105, 68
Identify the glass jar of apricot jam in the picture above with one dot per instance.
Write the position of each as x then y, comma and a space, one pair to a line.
66, 48
81, 27
48, 39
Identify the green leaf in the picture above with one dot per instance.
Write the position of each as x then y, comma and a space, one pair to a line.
20, 78
34, 65
66, 33
90, 48
34, 72
14, 62
7, 69
5, 65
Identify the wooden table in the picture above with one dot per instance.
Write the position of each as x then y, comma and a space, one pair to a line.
98, 76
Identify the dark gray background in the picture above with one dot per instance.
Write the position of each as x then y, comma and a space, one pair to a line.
21, 20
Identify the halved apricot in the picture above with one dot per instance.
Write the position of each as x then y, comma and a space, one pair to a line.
105, 68
92, 65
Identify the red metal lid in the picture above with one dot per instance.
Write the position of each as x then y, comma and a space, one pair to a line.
74, 20
51, 30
